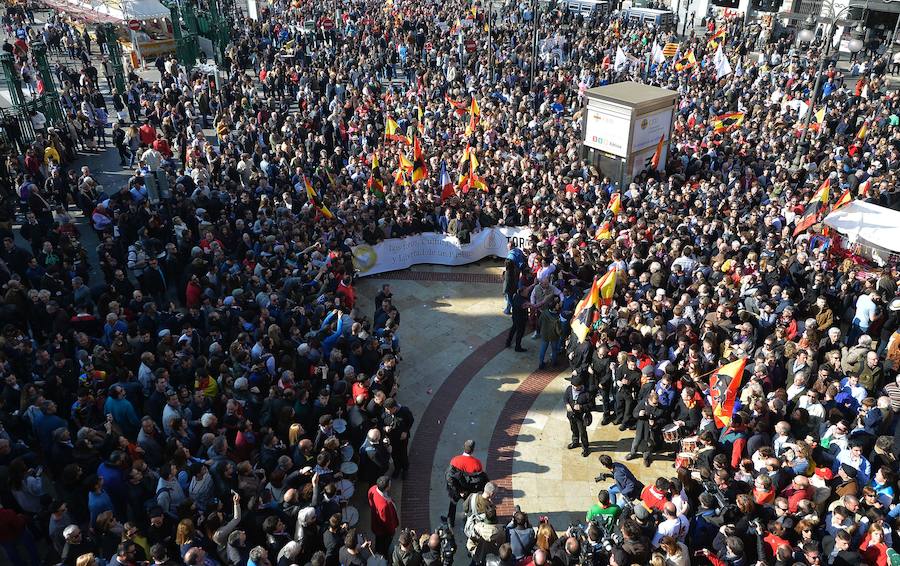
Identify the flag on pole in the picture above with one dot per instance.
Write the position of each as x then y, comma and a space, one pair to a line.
687, 62
474, 117
604, 232
723, 67
404, 163
420, 119
864, 188
621, 60
723, 387
716, 39
447, 190
392, 132
657, 55
400, 179
815, 204
314, 199
420, 170
842, 201
670, 49
615, 203
470, 179
585, 314
726, 121
459, 107
374, 184
657, 155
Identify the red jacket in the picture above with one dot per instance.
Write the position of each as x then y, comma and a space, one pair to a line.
384, 514
466, 463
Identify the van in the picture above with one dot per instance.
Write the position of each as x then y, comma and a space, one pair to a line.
664, 19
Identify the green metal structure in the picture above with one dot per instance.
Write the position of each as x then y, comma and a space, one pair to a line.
114, 51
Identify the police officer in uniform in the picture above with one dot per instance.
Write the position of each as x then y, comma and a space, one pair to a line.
579, 402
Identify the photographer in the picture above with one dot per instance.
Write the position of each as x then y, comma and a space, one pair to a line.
635, 543
626, 487
566, 551
407, 552
521, 535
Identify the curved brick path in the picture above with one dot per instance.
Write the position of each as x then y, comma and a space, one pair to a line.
415, 510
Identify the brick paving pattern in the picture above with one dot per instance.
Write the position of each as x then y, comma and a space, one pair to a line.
503, 441
441, 276
415, 508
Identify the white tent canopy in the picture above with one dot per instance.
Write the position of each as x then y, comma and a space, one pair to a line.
123, 10
868, 224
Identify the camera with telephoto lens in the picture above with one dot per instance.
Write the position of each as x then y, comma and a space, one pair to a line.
448, 542
594, 552
727, 510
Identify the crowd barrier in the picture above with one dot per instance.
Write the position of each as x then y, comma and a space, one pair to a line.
400, 253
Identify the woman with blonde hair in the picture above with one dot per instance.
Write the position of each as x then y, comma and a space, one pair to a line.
295, 434
86, 560
546, 535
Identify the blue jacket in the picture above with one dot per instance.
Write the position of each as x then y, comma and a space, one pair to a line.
628, 485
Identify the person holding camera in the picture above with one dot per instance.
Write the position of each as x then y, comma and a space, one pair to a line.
579, 403
626, 486
651, 416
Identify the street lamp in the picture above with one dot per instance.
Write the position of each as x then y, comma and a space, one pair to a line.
854, 45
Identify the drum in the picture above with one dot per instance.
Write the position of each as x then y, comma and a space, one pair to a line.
685, 460
670, 433
339, 425
689, 444
349, 471
346, 488
350, 515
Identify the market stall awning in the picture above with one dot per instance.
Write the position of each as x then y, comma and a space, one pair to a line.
115, 11
866, 223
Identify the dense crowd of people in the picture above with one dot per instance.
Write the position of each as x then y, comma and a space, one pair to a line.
211, 393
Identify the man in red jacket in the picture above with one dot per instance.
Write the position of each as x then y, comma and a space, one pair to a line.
384, 515
460, 473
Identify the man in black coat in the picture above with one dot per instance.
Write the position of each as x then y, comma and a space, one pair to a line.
579, 402
518, 302
397, 421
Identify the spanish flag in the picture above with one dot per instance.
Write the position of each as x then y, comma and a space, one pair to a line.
404, 163
723, 387
586, 311
374, 184
615, 204
863, 190
459, 106
604, 232
815, 204
465, 156
400, 178
420, 170
391, 129
474, 117
471, 180
688, 61
657, 155
843, 201
715, 39
314, 199
726, 121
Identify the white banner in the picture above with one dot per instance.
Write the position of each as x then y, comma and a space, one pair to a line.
442, 249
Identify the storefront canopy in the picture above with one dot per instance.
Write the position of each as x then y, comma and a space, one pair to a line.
116, 11
869, 224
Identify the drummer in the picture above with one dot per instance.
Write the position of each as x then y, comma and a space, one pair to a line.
688, 411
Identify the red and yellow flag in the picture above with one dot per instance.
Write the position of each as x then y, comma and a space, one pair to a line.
657, 155
314, 199
723, 387
420, 169
615, 204
843, 200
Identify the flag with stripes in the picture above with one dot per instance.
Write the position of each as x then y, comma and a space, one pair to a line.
671, 49
726, 121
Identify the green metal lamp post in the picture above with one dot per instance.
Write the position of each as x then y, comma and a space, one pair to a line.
49, 95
